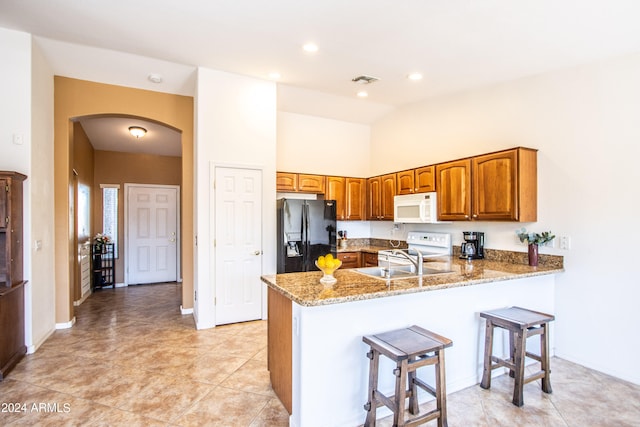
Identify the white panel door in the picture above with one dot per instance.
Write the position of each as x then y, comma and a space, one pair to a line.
152, 234
238, 245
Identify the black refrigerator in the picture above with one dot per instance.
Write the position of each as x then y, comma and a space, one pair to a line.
306, 229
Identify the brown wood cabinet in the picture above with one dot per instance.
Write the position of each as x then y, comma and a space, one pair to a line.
355, 199
505, 185
425, 179
279, 347
405, 182
286, 181
419, 180
349, 259
11, 229
349, 194
12, 342
299, 182
369, 259
12, 345
336, 190
380, 193
494, 186
454, 190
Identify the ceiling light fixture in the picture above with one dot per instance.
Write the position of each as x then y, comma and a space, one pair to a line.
363, 94
415, 77
274, 75
137, 131
310, 47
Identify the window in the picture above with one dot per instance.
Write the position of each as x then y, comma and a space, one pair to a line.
110, 213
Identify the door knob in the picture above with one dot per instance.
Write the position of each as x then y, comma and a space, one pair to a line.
256, 253
172, 240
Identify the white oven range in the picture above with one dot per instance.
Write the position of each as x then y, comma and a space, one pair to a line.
430, 244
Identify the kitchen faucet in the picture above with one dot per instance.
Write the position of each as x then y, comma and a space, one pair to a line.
417, 263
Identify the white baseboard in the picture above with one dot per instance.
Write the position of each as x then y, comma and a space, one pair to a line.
66, 325
33, 347
121, 285
82, 299
184, 311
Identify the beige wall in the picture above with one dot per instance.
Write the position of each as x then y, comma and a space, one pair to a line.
113, 167
76, 98
322, 146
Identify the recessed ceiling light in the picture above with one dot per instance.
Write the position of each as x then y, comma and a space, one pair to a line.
274, 75
310, 47
155, 78
363, 94
415, 76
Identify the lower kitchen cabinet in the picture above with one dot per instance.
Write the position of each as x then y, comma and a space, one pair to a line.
349, 259
279, 347
369, 259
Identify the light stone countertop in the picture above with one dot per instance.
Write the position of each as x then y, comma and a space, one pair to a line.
305, 288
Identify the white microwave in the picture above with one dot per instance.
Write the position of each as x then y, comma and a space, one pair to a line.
415, 208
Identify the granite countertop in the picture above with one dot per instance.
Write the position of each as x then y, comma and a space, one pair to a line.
305, 288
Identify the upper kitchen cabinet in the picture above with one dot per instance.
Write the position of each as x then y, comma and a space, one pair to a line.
453, 186
336, 190
404, 182
419, 180
505, 185
498, 186
349, 194
355, 198
425, 179
298, 182
287, 182
380, 192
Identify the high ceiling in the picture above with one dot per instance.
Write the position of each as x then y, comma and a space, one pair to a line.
455, 44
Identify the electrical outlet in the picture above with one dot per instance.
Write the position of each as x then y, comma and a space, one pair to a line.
565, 242
549, 244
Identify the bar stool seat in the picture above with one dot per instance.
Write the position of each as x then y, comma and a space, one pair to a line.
521, 324
409, 349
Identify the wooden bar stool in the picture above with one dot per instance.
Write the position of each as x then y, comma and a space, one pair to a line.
521, 324
408, 348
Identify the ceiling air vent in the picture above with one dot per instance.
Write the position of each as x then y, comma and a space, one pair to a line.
365, 79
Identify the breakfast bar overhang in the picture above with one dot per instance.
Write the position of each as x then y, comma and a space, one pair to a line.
317, 359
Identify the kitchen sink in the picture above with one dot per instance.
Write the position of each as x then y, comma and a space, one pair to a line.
397, 272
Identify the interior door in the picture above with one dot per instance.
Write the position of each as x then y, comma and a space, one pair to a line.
238, 244
152, 237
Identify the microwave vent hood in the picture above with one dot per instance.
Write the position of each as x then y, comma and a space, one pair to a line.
420, 208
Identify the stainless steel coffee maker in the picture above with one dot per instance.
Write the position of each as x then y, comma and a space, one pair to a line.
473, 245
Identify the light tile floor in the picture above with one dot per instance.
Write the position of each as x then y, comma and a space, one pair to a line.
133, 360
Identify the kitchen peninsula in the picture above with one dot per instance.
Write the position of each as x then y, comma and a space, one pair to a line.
317, 360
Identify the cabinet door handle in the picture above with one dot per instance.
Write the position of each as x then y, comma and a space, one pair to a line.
475, 215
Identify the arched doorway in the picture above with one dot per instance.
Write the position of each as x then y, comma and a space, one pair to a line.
78, 98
